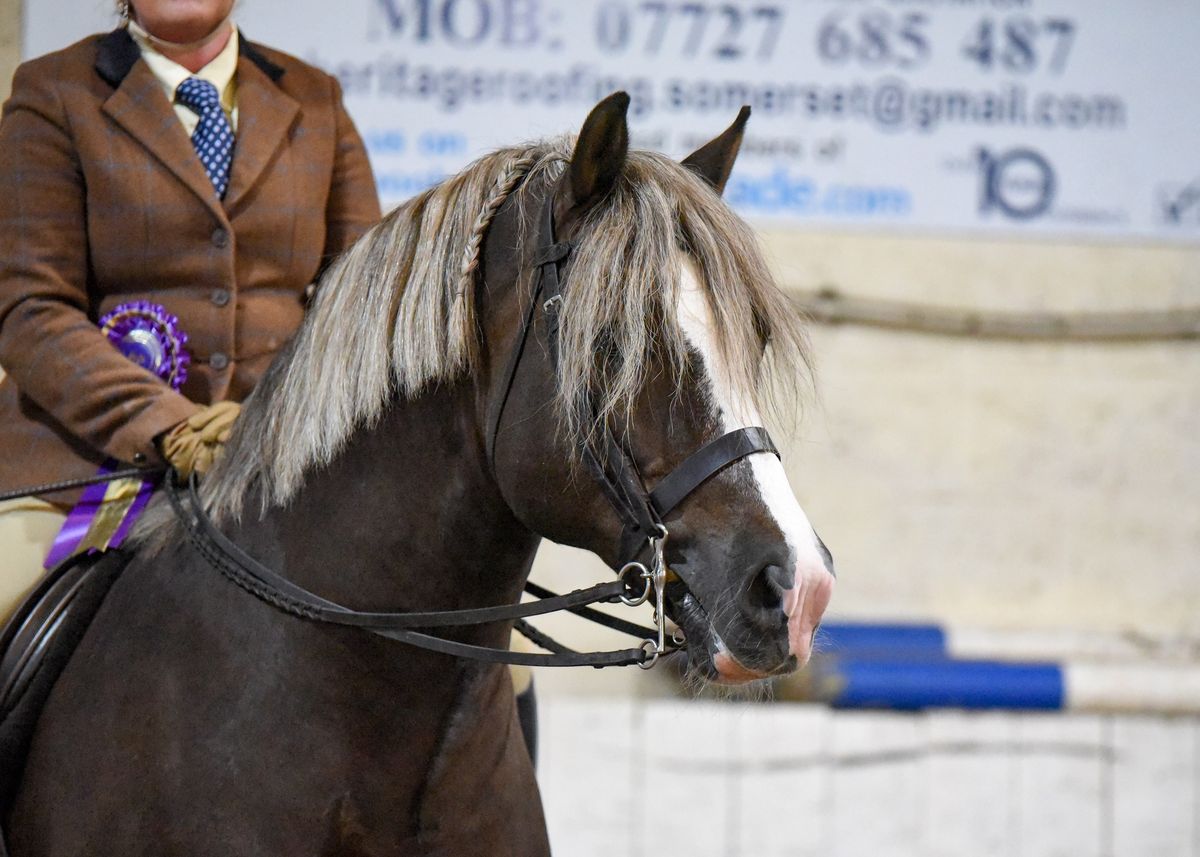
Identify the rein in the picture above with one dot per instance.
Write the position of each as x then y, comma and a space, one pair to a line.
641, 512
248, 573
82, 482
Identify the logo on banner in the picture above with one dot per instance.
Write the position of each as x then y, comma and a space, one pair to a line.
1019, 183
1179, 203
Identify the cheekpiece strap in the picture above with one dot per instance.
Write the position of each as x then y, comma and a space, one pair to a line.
547, 292
552, 253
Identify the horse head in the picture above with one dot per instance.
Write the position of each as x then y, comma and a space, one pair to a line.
664, 338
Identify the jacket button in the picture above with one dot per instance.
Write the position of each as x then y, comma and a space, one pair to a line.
219, 297
220, 238
218, 361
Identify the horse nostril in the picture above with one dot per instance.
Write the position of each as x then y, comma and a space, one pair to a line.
779, 579
763, 599
826, 555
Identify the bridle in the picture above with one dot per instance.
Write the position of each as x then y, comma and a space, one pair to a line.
641, 511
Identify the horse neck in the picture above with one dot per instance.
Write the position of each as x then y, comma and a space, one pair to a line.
406, 517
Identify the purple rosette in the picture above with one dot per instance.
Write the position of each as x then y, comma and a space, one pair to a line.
149, 336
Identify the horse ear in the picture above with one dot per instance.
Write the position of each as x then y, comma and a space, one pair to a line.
714, 160
599, 156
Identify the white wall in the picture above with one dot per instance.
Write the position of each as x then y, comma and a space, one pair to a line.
1005, 483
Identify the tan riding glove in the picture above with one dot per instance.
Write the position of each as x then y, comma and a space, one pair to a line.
194, 444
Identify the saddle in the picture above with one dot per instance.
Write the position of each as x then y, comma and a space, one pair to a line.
35, 646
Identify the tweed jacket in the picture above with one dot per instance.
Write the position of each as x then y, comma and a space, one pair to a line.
103, 200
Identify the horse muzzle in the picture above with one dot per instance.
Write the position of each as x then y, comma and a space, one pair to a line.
768, 631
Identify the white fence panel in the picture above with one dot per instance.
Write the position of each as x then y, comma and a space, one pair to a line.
972, 778
654, 777
1155, 795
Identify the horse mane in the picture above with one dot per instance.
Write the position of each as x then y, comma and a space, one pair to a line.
395, 314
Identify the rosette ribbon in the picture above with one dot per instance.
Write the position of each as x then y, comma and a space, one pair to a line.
149, 336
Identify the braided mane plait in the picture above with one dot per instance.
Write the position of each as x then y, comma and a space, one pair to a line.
460, 316
508, 179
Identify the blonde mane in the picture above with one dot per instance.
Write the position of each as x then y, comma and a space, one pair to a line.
396, 314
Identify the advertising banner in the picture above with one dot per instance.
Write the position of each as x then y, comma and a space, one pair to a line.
1041, 117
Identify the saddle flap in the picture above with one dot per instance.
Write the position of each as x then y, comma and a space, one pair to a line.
35, 646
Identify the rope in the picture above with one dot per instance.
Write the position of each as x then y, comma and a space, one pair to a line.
829, 306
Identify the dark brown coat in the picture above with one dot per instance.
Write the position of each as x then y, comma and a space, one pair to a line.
103, 200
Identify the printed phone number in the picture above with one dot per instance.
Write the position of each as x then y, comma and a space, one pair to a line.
724, 31
873, 38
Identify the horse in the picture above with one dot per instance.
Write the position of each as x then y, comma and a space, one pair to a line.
431, 421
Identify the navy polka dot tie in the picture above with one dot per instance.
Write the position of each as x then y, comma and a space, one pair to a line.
213, 138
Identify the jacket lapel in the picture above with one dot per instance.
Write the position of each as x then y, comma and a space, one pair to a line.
140, 107
266, 115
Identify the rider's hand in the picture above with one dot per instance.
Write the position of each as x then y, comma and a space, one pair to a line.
194, 444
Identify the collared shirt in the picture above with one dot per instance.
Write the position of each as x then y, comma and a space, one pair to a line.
219, 72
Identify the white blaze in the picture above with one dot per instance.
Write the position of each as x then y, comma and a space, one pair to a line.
806, 602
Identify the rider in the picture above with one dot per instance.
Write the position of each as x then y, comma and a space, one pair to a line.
104, 200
